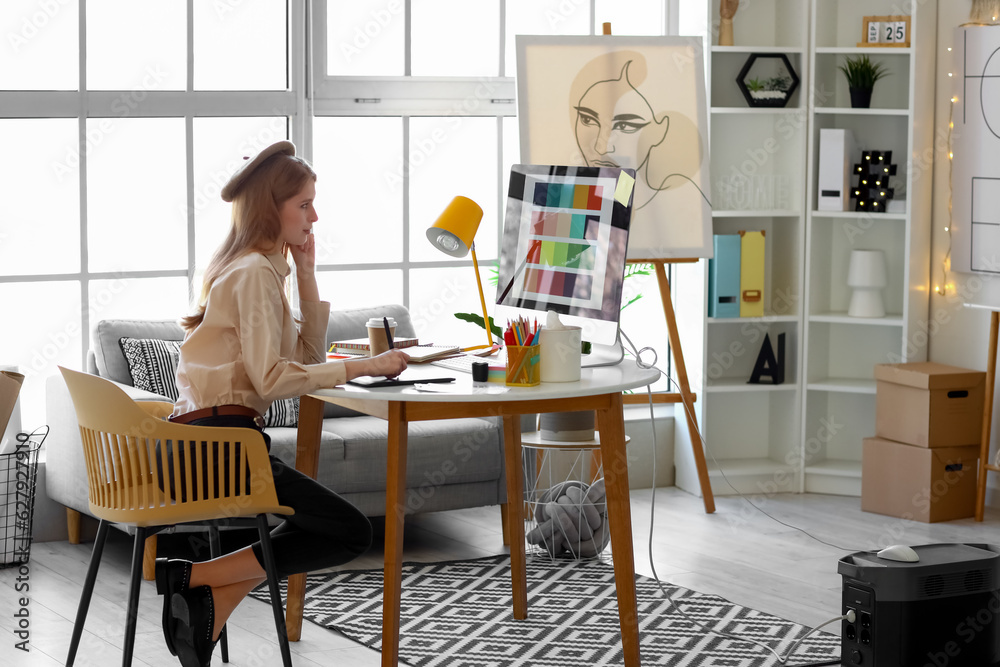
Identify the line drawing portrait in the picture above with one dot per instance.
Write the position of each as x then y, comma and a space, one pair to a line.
633, 102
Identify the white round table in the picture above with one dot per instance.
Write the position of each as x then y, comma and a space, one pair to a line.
598, 389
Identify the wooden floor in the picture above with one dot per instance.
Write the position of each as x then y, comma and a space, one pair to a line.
737, 552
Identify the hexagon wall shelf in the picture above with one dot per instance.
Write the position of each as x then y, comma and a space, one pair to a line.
767, 80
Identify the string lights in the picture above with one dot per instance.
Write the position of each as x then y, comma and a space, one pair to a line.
942, 287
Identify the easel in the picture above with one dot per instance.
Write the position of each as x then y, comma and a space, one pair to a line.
984, 445
685, 395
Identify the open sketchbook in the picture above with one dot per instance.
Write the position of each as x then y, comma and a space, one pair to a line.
422, 353
361, 346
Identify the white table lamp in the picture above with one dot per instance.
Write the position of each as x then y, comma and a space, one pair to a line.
867, 276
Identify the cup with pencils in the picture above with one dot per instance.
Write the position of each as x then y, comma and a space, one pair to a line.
523, 353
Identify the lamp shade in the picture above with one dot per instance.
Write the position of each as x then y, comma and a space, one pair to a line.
867, 269
867, 276
452, 233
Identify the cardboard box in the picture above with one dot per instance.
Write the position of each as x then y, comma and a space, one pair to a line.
929, 405
918, 483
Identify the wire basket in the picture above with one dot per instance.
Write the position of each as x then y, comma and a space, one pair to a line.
566, 512
18, 474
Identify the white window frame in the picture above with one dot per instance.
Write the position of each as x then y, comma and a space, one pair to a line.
187, 104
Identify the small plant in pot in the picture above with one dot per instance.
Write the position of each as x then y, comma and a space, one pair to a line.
861, 75
769, 92
767, 80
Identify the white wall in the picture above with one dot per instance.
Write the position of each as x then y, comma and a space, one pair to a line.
958, 335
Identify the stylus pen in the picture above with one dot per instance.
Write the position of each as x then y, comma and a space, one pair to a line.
517, 272
388, 331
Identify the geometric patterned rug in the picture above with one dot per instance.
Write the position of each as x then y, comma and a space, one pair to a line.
458, 614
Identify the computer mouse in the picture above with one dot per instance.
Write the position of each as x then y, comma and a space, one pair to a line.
899, 552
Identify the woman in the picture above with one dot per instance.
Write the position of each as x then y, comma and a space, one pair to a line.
243, 350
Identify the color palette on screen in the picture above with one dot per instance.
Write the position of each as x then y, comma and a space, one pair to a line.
566, 255
558, 283
567, 195
565, 225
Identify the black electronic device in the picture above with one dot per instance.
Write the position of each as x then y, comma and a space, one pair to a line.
401, 380
942, 610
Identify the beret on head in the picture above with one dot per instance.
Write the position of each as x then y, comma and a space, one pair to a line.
248, 167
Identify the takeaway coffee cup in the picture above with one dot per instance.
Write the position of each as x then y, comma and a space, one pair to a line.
377, 341
560, 354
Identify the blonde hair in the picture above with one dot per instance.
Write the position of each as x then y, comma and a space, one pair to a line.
256, 221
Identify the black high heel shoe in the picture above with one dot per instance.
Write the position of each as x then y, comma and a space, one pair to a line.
193, 613
172, 576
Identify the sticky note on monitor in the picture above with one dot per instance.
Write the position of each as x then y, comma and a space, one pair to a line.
624, 188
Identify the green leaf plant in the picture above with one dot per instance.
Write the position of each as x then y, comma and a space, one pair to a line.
472, 318
862, 73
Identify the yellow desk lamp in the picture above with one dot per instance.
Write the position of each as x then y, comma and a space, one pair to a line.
453, 233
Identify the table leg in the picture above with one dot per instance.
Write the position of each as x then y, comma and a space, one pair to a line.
395, 511
515, 514
307, 462
611, 425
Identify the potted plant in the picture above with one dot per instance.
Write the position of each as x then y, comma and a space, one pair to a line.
770, 92
861, 75
767, 80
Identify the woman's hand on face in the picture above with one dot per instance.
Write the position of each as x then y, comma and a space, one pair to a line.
305, 255
389, 364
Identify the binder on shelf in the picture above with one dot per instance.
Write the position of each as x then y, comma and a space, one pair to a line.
724, 277
836, 161
752, 274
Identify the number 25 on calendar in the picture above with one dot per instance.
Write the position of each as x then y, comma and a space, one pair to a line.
886, 30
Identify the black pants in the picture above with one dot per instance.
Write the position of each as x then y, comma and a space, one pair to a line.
325, 530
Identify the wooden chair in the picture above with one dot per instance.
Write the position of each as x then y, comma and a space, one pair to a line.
137, 476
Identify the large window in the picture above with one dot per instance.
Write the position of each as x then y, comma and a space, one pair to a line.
121, 120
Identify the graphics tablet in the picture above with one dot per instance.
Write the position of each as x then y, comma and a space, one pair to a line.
401, 380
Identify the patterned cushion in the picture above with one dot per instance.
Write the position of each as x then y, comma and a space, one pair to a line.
283, 412
152, 363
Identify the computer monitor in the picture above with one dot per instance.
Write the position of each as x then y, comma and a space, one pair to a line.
563, 247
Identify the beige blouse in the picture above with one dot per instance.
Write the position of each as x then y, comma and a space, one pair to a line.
249, 350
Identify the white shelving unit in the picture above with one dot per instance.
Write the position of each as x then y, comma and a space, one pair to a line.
839, 352
805, 435
752, 430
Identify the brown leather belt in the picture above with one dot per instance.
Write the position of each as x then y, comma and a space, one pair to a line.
220, 411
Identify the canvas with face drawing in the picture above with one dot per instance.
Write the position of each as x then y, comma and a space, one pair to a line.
632, 102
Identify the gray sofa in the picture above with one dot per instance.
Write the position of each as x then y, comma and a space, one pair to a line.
450, 463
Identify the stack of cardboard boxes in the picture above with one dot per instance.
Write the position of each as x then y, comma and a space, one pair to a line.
922, 464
